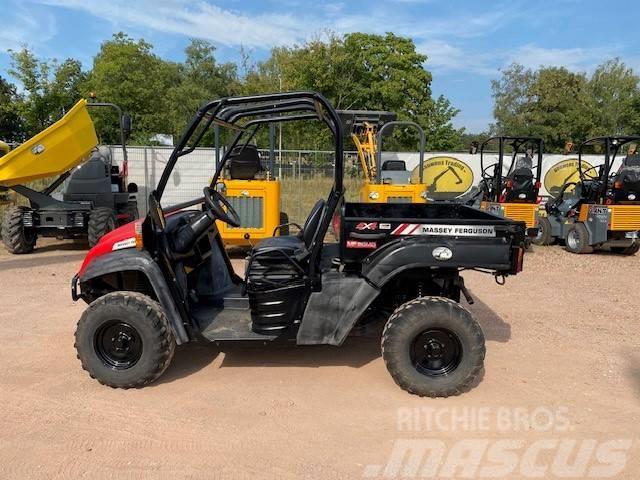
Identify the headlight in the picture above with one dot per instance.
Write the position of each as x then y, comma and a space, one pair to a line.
423, 195
374, 195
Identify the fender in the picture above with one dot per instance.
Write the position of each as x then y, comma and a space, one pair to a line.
139, 261
420, 252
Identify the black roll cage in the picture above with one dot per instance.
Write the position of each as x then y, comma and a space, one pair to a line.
612, 146
257, 110
516, 143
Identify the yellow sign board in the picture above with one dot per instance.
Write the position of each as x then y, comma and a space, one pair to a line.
445, 177
563, 172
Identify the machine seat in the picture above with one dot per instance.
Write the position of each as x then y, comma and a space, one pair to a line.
288, 242
244, 163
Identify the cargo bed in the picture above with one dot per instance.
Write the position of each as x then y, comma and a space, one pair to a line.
443, 234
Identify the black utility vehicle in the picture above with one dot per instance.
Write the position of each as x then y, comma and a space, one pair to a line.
168, 280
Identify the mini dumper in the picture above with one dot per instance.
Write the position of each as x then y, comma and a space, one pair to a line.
95, 197
513, 194
167, 279
603, 208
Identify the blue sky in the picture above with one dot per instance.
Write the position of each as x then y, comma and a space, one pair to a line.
467, 41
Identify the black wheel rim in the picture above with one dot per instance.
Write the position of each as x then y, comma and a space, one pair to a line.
436, 352
118, 345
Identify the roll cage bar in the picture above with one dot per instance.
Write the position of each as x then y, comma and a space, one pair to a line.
256, 110
516, 143
612, 146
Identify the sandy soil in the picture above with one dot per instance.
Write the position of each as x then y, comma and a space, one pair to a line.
561, 337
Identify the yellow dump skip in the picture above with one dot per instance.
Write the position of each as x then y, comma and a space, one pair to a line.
53, 151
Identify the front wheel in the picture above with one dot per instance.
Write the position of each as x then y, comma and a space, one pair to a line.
433, 347
577, 239
16, 237
124, 340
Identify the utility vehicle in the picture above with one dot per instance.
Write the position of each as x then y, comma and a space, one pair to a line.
388, 181
602, 209
167, 279
513, 194
254, 192
95, 196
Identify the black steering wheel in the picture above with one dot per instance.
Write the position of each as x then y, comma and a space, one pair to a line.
220, 207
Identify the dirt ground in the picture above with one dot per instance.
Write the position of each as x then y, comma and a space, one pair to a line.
562, 338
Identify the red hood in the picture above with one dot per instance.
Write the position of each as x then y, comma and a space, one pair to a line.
118, 239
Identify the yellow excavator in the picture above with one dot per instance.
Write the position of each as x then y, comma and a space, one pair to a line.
388, 181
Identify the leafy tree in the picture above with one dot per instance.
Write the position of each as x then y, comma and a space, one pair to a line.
201, 79
615, 94
552, 103
359, 71
126, 72
50, 87
10, 122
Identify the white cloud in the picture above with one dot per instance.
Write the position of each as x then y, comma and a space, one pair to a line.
444, 57
22, 26
533, 56
196, 18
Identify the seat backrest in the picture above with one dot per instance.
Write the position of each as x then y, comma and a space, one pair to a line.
631, 161
244, 163
394, 166
313, 221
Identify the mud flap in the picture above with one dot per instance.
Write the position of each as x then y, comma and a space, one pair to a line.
331, 313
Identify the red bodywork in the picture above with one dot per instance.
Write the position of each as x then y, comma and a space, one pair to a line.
106, 243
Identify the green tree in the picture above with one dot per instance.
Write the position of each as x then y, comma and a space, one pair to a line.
126, 72
201, 79
552, 103
50, 87
360, 71
10, 123
615, 94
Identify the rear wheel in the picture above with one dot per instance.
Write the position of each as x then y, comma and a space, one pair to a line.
632, 250
124, 340
544, 236
16, 237
433, 347
101, 221
577, 239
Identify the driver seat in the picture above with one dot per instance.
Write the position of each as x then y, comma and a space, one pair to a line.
522, 180
276, 275
293, 243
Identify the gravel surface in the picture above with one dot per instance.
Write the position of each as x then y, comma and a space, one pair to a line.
562, 337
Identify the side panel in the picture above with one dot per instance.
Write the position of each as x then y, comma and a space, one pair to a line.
427, 252
331, 313
597, 219
136, 260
